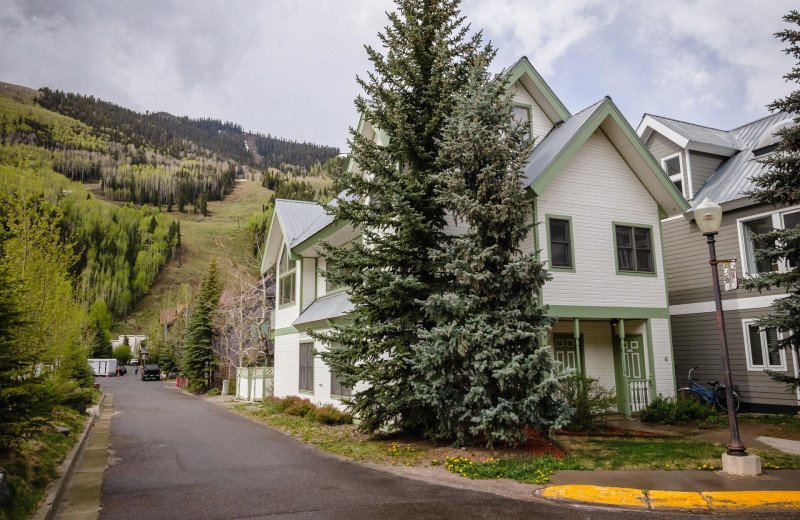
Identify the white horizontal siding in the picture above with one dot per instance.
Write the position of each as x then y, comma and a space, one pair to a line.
540, 123
309, 281
321, 284
597, 348
287, 365
287, 371
662, 357
596, 188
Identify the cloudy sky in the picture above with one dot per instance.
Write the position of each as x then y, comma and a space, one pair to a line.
288, 67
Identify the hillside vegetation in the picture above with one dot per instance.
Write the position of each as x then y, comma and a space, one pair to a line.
156, 198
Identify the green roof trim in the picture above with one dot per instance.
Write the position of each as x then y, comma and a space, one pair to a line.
607, 110
320, 235
523, 67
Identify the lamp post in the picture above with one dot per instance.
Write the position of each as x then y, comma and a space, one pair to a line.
708, 216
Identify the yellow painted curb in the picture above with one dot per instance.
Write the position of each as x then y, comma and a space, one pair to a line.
676, 499
598, 494
754, 499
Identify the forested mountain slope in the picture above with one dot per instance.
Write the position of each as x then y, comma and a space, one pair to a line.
142, 176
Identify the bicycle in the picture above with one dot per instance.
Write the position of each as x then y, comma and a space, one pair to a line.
698, 394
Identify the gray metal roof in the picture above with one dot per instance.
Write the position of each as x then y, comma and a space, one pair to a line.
325, 308
301, 219
701, 134
555, 141
732, 177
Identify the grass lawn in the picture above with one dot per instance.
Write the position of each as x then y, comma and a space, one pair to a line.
647, 453
582, 452
342, 439
32, 467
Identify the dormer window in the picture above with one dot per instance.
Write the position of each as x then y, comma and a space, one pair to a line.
673, 167
287, 273
521, 115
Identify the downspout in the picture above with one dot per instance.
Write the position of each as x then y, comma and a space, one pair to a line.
796, 372
576, 332
537, 249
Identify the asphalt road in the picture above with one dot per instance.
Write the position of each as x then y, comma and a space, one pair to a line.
177, 457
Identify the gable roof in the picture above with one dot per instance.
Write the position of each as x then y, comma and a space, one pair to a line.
301, 219
690, 136
565, 139
554, 142
537, 87
732, 178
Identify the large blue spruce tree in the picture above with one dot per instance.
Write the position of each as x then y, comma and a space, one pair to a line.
391, 198
484, 371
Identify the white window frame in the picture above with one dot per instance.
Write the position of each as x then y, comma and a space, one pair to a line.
764, 350
677, 176
777, 223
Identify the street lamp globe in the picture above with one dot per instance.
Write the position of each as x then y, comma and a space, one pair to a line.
708, 216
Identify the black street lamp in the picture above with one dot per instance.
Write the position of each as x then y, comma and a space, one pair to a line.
708, 216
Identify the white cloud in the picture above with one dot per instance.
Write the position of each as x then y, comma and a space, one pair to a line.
543, 30
289, 68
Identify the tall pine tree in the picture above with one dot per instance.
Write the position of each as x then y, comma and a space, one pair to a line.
780, 186
199, 358
25, 399
483, 369
392, 200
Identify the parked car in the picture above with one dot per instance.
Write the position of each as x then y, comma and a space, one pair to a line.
151, 372
121, 370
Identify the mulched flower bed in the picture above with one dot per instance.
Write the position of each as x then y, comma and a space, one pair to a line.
612, 431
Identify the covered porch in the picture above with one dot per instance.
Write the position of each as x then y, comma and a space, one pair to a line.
618, 352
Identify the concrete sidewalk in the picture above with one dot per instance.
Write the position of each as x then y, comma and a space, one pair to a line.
82, 498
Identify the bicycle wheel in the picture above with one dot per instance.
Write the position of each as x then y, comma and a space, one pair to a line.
722, 400
690, 394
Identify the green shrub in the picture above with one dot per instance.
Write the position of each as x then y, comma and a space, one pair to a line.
590, 400
300, 408
214, 391
329, 414
667, 410
287, 402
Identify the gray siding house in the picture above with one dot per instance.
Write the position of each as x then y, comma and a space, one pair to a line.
707, 162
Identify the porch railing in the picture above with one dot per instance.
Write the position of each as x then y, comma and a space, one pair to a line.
639, 394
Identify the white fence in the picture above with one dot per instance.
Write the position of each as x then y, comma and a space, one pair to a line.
253, 383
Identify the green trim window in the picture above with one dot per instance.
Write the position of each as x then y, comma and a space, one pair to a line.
288, 279
338, 388
306, 367
559, 243
634, 245
521, 115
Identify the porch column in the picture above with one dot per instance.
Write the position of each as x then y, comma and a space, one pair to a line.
627, 387
576, 331
651, 358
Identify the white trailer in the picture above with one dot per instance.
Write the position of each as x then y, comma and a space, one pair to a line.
103, 367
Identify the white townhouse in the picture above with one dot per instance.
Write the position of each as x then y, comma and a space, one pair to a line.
598, 196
